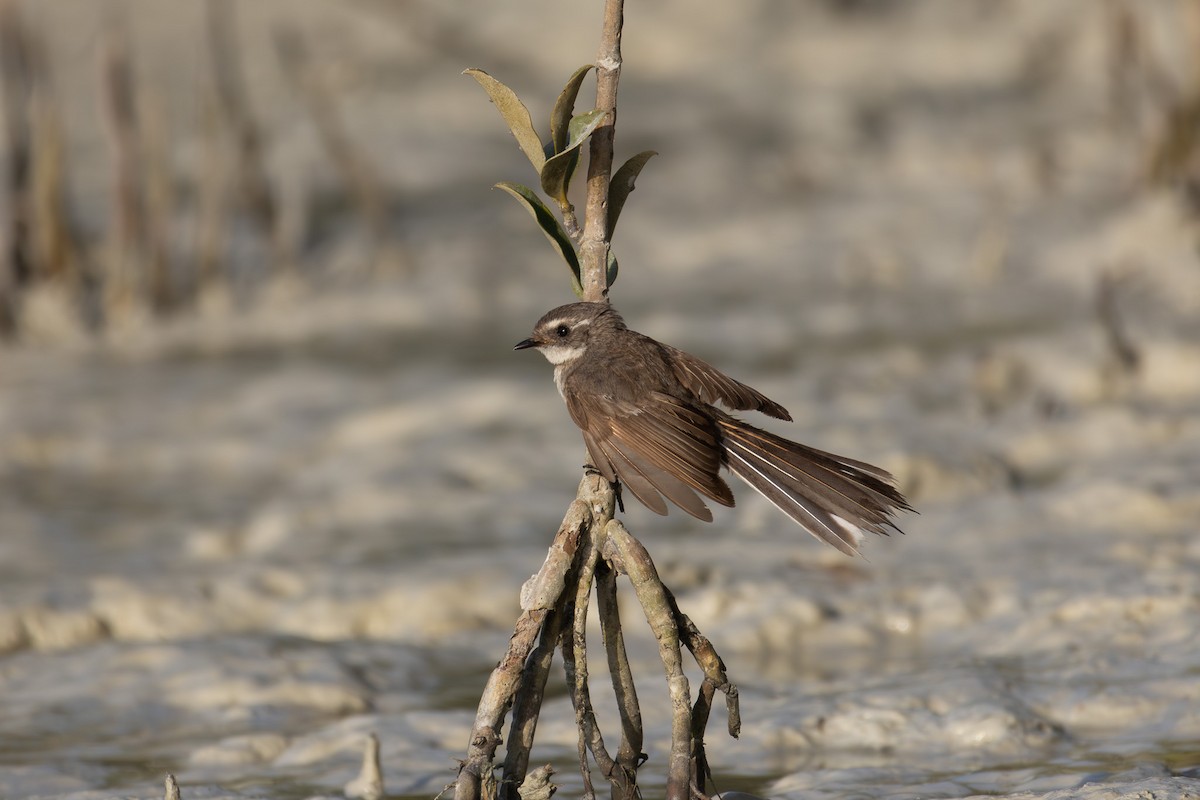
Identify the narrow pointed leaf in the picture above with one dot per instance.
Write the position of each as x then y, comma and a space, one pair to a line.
621, 185
550, 226
557, 172
610, 274
564, 109
515, 115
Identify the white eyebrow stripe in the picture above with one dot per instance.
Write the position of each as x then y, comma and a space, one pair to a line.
554, 323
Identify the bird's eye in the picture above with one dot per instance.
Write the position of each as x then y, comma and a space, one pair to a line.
562, 331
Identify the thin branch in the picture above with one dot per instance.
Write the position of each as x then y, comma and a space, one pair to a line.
603, 504
528, 704
593, 249
629, 753
708, 660
1126, 355
358, 174
580, 704
55, 242
158, 205
715, 680
229, 86
118, 105
575, 658
502, 684
637, 564
211, 240
16, 267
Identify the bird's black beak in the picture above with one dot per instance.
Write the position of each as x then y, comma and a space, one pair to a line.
525, 344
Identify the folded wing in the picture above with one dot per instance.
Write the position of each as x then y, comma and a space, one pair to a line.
713, 386
660, 447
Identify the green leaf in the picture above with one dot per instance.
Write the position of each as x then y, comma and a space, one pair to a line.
556, 174
550, 227
621, 185
515, 114
610, 274
564, 109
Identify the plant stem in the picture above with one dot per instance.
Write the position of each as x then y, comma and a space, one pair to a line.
593, 249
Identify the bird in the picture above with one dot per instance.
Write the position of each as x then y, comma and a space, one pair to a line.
651, 422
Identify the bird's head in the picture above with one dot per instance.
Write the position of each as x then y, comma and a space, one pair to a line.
562, 334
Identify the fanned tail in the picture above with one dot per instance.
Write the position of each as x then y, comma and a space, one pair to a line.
834, 498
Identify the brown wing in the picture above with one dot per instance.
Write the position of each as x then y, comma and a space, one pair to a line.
714, 386
660, 446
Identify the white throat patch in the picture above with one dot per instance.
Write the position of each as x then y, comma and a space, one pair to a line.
558, 354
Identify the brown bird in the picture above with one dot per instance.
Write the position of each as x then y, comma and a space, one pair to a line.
648, 420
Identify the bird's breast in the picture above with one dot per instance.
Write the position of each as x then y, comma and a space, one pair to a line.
560, 377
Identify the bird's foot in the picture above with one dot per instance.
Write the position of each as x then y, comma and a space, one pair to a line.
588, 469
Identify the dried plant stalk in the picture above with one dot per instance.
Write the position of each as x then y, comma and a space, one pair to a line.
118, 106
16, 267
211, 243
159, 207
355, 168
231, 96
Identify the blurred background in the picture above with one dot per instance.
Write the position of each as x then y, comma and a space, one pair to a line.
271, 476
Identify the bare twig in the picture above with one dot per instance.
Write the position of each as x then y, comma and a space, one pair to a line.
528, 704
708, 660
575, 660
159, 206
230, 93
633, 559
582, 705
356, 171
1125, 357
119, 107
210, 231
715, 680
54, 242
629, 753
16, 267
368, 785
501, 686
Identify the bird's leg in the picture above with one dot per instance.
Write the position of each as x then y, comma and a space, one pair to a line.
616, 487
588, 469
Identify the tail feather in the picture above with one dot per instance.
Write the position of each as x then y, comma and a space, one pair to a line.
834, 498
841, 482
811, 516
